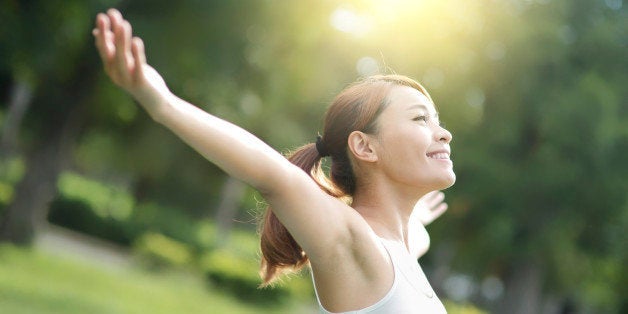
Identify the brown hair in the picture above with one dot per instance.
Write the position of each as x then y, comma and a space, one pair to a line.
356, 108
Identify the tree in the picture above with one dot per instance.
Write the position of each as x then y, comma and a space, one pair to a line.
541, 192
55, 115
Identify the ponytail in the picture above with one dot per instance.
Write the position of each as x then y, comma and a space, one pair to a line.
280, 252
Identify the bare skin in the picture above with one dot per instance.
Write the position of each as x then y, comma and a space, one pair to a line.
326, 228
429, 207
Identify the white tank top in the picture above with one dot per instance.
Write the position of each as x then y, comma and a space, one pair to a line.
410, 291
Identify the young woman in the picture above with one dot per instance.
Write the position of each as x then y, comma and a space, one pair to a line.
356, 229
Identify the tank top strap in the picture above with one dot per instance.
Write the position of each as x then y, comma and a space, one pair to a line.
410, 291
371, 308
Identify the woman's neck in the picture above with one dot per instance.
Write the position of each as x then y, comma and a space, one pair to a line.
387, 210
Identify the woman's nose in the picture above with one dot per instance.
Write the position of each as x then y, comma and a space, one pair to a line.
442, 135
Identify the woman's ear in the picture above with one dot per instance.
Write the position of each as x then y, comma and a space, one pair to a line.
361, 146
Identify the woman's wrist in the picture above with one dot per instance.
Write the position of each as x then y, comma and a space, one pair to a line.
155, 102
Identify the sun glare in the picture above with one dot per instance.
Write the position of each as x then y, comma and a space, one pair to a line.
347, 20
373, 13
368, 18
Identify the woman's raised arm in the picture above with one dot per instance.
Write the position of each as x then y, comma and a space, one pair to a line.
233, 149
296, 199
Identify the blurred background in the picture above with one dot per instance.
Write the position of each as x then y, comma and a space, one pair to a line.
104, 211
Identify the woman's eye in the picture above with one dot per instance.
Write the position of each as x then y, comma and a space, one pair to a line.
421, 118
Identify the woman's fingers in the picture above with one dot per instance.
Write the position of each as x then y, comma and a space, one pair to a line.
434, 198
431, 206
122, 55
121, 31
102, 34
438, 197
439, 210
127, 55
139, 57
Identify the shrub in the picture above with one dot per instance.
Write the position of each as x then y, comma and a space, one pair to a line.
159, 251
78, 215
458, 308
238, 276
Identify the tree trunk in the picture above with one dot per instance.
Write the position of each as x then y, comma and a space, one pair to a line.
232, 193
27, 210
19, 100
59, 108
29, 207
523, 289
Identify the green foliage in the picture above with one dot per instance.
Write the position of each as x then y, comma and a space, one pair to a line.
237, 275
234, 267
159, 251
105, 200
110, 212
95, 208
79, 216
227, 271
171, 222
455, 308
11, 172
607, 272
6, 193
539, 177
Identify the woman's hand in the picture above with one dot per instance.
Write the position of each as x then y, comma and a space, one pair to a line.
426, 210
430, 207
124, 61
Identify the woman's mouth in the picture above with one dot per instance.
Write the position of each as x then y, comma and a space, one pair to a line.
438, 155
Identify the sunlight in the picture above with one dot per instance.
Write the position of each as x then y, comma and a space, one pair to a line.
407, 23
374, 13
347, 20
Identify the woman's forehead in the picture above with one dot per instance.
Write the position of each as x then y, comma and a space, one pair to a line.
408, 98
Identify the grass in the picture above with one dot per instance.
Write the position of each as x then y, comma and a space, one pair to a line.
36, 282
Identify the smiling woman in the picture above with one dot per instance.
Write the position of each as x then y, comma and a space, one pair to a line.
355, 228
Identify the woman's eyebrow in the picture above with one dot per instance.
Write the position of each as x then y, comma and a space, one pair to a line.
420, 106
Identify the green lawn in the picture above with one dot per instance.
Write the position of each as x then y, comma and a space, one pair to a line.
37, 282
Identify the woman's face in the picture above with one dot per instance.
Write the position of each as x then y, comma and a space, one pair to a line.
412, 147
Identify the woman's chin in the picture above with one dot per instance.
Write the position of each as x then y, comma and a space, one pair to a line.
448, 182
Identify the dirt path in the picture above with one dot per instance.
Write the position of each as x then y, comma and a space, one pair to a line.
60, 241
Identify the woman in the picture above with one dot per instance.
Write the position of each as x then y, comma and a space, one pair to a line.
356, 229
